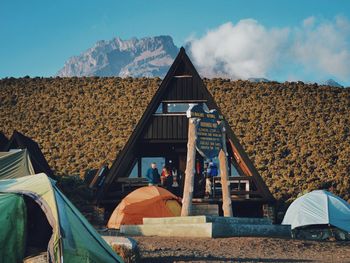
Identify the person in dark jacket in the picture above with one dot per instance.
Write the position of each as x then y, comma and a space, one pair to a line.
212, 169
211, 172
152, 175
167, 178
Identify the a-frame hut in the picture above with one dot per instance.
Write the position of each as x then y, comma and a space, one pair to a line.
161, 136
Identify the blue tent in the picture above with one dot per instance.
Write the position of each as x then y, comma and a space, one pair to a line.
318, 208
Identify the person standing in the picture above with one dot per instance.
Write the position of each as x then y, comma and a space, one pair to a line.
208, 187
208, 190
162, 176
175, 186
212, 171
167, 178
152, 175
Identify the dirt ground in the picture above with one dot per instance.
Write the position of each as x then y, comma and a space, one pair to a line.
241, 249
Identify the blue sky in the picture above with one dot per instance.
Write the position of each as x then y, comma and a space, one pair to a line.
38, 36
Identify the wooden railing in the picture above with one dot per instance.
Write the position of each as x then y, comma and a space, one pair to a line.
241, 187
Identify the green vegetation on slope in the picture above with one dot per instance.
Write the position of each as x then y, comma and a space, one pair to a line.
298, 135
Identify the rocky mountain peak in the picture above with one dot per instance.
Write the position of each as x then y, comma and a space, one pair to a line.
149, 56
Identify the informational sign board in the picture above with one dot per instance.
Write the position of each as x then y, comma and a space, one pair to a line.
209, 132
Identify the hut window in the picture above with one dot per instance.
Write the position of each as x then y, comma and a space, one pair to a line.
234, 171
177, 107
134, 171
160, 109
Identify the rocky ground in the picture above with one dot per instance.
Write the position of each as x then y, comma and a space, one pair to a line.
241, 249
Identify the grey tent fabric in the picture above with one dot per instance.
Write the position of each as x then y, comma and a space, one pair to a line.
318, 207
20, 141
15, 164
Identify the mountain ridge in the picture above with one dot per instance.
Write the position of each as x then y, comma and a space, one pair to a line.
145, 57
332, 83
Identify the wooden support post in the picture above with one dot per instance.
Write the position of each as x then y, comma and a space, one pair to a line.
225, 183
190, 168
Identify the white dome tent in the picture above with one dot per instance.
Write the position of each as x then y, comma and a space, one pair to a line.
319, 208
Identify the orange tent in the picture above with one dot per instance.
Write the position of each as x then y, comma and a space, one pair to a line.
148, 201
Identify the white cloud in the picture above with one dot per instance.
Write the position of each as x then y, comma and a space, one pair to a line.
249, 49
324, 48
239, 51
309, 21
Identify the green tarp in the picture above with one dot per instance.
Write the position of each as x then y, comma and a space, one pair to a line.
15, 164
73, 238
80, 235
13, 221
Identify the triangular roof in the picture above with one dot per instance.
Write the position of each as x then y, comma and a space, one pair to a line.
182, 65
20, 141
3, 141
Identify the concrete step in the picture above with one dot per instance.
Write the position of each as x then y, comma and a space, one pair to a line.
207, 219
206, 230
240, 220
172, 230
250, 230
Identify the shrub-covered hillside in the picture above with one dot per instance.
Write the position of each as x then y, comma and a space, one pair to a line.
80, 123
298, 135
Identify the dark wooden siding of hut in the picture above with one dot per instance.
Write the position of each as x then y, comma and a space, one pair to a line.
184, 88
167, 127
